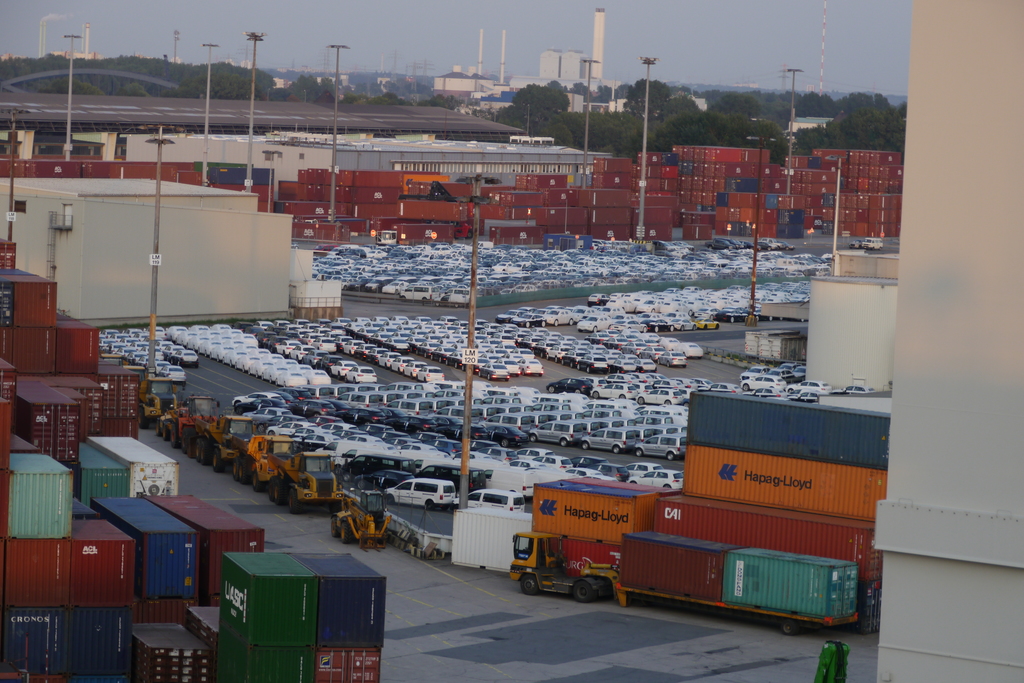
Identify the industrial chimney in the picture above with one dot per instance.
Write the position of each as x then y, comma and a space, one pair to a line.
87, 27
597, 69
501, 76
480, 55
42, 38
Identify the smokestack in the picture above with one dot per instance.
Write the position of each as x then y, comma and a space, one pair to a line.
42, 38
597, 69
87, 40
501, 76
480, 55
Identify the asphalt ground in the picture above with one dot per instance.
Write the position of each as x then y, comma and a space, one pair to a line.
463, 624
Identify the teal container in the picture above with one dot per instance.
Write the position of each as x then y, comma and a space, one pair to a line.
40, 505
785, 582
269, 599
240, 662
101, 476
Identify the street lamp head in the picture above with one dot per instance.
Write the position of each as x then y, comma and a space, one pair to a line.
210, 45
253, 36
72, 35
794, 71
649, 61
338, 47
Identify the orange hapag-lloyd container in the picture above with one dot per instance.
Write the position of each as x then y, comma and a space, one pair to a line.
592, 512
787, 483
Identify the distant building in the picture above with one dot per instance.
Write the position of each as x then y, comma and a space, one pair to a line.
556, 65
803, 122
462, 84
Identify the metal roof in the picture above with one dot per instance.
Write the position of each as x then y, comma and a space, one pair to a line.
96, 113
877, 281
116, 187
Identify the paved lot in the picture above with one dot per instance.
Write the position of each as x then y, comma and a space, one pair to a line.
454, 623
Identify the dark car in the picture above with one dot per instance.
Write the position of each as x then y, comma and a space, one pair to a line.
589, 461
722, 243
257, 403
368, 464
311, 407
381, 479
358, 416
506, 436
610, 470
410, 424
731, 315
571, 385
454, 432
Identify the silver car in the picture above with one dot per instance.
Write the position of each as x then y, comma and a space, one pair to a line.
668, 446
614, 440
562, 432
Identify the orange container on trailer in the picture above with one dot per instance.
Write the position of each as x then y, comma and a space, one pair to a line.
592, 512
786, 483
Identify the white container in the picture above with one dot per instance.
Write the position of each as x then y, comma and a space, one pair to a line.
483, 538
152, 473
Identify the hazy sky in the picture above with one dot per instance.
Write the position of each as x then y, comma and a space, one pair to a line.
715, 42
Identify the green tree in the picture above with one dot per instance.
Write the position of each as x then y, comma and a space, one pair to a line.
744, 104
604, 94
861, 100
60, 85
223, 86
815, 105
444, 101
132, 90
555, 85
534, 107
560, 132
579, 89
659, 97
866, 128
679, 104
388, 98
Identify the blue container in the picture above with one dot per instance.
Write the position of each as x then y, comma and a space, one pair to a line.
80, 510
165, 548
828, 200
685, 168
741, 184
350, 612
790, 232
771, 201
670, 159
235, 175
100, 641
791, 217
36, 639
811, 432
814, 162
721, 199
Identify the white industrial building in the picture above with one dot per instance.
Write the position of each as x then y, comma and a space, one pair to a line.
219, 256
851, 331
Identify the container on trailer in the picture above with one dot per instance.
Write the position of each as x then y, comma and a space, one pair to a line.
100, 641
152, 473
165, 548
756, 526
676, 565
219, 532
36, 639
814, 432
591, 512
38, 572
351, 600
787, 582
102, 565
163, 611
359, 665
787, 483
270, 599
577, 554
480, 537
241, 662
49, 420
40, 497
204, 623
101, 476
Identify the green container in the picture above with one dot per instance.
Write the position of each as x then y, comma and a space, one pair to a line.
269, 599
40, 504
785, 582
100, 476
240, 662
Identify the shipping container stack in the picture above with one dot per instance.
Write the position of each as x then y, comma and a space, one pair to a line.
792, 478
233, 178
300, 617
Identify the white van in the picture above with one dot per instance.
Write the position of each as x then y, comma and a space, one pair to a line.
420, 292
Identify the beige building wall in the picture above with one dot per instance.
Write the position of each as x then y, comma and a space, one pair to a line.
953, 526
860, 264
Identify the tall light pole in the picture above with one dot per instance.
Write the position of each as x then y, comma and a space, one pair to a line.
641, 229
586, 122
12, 140
752, 315
835, 212
71, 73
334, 136
792, 117
206, 119
154, 257
255, 38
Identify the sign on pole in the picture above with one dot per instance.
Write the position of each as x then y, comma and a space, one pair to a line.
11, 216
470, 356
154, 259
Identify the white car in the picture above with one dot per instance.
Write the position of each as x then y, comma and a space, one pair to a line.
855, 390
430, 373
661, 396
428, 493
525, 464
316, 377
589, 473
810, 385
763, 382
638, 469
496, 499
666, 479
754, 371
556, 461
361, 375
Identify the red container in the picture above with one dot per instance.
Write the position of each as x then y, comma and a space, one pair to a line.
537, 182
609, 181
377, 178
693, 233
5, 428
190, 177
347, 665
675, 565
599, 198
35, 299
8, 255
92, 415
38, 572
120, 391
322, 209
85, 416
453, 212
555, 217
102, 565
611, 215
654, 215
31, 350
619, 233
577, 554
612, 165
18, 445
375, 195
653, 232
518, 198
742, 170
523, 234
219, 532
78, 346
120, 426
783, 530
562, 197
167, 611
415, 233
49, 420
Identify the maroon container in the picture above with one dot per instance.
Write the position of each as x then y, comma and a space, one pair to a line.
120, 426
8, 381
377, 178
620, 233
347, 665
19, 445
783, 530
598, 198
611, 215
38, 572
84, 409
610, 181
219, 532
78, 346
31, 350
49, 420
562, 197
375, 195
561, 217
5, 428
35, 299
92, 419
535, 182
686, 567
167, 611
120, 391
577, 554
8, 254
102, 565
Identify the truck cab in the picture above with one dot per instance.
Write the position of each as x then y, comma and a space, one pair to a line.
538, 566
